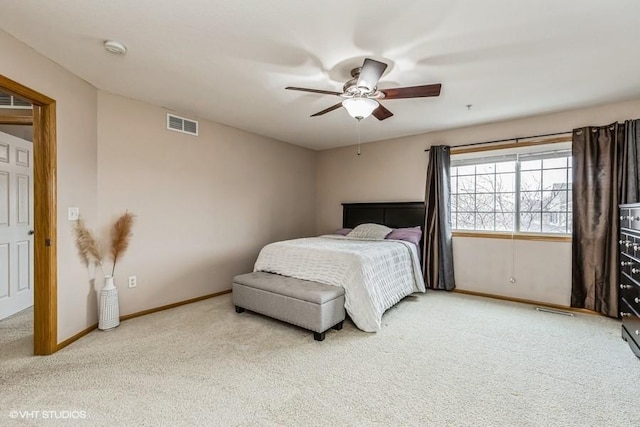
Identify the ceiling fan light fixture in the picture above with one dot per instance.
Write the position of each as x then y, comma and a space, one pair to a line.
360, 108
360, 94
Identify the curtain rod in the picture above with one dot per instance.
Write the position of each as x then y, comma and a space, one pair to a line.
507, 139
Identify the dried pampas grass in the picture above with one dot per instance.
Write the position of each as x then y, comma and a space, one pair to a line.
120, 237
88, 248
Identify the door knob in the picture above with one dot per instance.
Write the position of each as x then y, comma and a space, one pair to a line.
31, 232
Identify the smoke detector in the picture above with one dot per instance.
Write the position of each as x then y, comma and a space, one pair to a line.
115, 47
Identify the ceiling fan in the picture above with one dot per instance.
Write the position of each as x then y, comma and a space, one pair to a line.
362, 96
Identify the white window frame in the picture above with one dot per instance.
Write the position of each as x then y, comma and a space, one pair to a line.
519, 153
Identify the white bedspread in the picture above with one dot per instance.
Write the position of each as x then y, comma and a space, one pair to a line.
375, 275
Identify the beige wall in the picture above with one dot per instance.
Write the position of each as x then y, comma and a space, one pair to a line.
395, 170
542, 270
205, 205
77, 162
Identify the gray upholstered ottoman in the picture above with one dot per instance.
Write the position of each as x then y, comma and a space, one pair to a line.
311, 305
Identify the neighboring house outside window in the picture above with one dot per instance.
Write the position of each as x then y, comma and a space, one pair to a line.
515, 190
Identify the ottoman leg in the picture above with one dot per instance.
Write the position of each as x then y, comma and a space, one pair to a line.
239, 309
318, 336
338, 326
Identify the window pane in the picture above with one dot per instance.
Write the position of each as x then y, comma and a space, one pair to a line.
505, 202
554, 179
504, 221
506, 182
569, 223
554, 201
485, 202
454, 216
555, 163
453, 171
454, 185
554, 222
485, 183
466, 170
530, 221
506, 167
487, 168
484, 221
530, 164
466, 203
454, 203
570, 201
530, 180
466, 221
530, 201
467, 184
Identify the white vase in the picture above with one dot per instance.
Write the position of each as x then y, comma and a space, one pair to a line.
109, 310
108, 283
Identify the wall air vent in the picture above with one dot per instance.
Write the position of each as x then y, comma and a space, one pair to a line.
8, 101
181, 124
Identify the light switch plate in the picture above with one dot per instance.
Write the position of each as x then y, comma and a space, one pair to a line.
74, 214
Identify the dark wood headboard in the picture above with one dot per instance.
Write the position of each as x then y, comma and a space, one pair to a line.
391, 214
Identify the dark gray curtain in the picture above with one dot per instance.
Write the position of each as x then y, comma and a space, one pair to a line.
605, 174
438, 249
630, 174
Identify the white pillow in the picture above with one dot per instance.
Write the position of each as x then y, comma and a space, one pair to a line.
370, 231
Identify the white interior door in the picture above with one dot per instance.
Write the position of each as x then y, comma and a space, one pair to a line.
16, 225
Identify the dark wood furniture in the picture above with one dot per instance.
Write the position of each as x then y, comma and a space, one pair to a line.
391, 214
629, 300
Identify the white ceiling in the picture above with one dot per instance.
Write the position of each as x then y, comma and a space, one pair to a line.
229, 61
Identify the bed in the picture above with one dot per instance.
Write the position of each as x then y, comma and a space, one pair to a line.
375, 274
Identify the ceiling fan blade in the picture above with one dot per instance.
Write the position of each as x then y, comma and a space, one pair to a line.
412, 92
327, 110
325, 92
370, 74
381, 112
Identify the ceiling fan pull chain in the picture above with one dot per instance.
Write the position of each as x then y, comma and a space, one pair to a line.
358, 127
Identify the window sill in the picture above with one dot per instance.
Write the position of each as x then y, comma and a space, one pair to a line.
517, 236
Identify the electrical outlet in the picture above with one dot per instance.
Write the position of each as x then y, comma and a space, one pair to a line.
133, 281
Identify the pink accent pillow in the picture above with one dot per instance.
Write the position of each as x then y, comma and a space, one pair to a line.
412, 234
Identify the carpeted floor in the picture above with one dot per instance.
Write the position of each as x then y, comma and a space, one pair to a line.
16, 336
440, 359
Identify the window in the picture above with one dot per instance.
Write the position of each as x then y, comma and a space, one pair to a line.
527, 189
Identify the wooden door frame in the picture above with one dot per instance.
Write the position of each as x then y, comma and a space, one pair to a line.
45, 298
